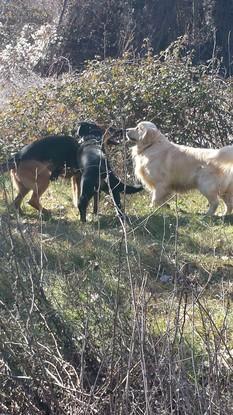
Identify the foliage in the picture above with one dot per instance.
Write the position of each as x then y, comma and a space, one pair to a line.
27, 31
192, 107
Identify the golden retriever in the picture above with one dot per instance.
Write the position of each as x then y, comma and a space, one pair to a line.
165, 168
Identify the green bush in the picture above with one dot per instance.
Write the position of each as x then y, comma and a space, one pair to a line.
191, 106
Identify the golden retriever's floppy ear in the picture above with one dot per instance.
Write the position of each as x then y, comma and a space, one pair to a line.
150, 136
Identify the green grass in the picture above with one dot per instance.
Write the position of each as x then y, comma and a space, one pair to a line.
168, 238
176, 236
94, 272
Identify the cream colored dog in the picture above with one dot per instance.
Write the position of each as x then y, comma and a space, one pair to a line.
166, 168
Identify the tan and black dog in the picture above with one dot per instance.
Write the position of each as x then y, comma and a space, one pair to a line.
37, 163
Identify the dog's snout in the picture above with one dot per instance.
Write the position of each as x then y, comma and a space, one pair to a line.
127, 133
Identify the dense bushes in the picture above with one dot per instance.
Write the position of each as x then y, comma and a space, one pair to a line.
193, 107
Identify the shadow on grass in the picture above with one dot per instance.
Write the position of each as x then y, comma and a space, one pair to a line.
228, 220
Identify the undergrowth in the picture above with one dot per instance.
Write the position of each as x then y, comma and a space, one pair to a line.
100, 318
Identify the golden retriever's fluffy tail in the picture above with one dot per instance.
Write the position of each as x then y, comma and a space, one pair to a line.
224, 155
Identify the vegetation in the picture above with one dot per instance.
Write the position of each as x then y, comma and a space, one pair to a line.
192, 104
111, 318
106, 317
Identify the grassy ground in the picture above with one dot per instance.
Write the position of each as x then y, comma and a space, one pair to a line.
159, 289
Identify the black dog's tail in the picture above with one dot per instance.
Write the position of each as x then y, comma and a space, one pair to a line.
129, 189
8, 165
116, 183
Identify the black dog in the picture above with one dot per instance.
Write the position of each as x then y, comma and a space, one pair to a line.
37, 163
96, 172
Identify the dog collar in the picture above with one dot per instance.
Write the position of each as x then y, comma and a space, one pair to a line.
92, 138
144, 148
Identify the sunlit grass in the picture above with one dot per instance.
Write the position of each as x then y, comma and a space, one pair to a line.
175, 240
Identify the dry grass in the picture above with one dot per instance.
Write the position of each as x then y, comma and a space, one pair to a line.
103, 318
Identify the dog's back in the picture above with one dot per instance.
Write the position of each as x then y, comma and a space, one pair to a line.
58, 149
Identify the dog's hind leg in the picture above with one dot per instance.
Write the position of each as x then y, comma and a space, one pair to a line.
21, 191
39, 188
228, 200
76, 188
19, 198
213, 207
213, 200
212, 197
159, 196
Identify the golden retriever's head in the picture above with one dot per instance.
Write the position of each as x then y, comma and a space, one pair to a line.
144, 134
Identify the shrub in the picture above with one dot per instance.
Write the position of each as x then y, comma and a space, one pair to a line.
191, 106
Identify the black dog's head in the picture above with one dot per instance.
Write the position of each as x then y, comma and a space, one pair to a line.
88, 130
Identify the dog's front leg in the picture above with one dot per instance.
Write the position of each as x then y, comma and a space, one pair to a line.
87, 192
213, 205
159, 196
96, 202
153, 199
228, 200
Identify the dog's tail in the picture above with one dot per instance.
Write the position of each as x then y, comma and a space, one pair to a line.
116, 183
224, 155
8, 165
129, 189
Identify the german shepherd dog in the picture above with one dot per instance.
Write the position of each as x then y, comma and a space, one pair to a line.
37, 163
95, 171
